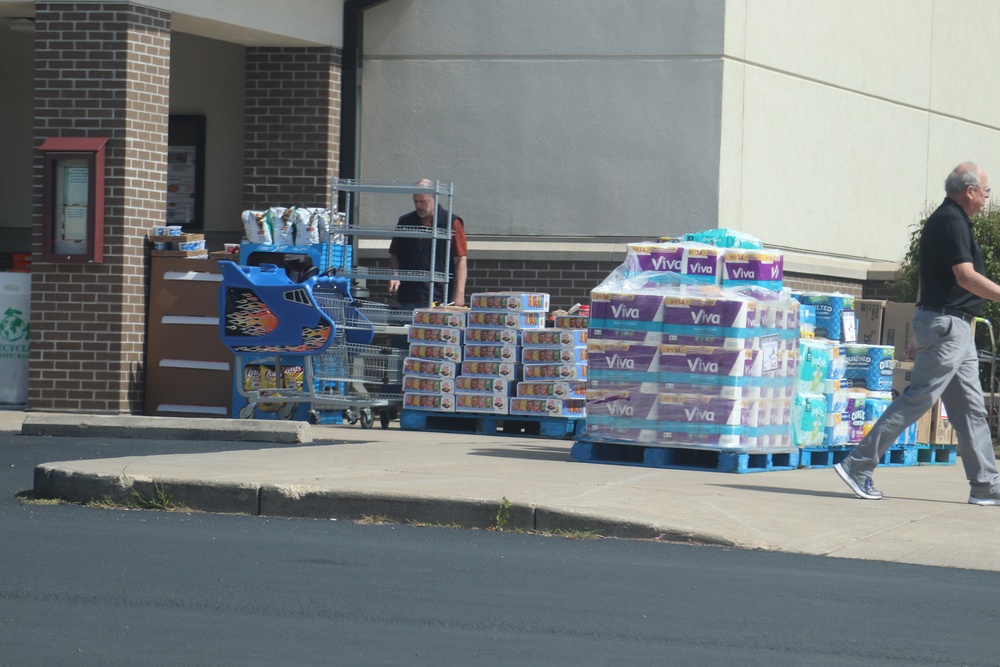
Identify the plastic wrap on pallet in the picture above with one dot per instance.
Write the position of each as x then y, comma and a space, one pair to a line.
724, 380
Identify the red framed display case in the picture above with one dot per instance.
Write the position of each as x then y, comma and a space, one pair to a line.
73, 199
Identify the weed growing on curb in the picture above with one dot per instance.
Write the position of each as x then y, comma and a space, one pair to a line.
503, 515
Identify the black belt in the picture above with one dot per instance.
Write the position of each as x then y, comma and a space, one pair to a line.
954, 312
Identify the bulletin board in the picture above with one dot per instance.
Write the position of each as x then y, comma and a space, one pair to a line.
186, 172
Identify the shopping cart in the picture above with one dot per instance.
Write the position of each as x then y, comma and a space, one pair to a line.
990, 359
266, 318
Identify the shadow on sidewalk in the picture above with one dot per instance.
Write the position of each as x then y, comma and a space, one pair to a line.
533, 452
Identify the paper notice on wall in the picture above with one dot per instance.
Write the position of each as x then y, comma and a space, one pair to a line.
181, 184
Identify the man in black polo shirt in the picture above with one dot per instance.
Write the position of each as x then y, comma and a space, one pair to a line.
953, 289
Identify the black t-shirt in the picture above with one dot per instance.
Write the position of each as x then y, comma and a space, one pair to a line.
945, 241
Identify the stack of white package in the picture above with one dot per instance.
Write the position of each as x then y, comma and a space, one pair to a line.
491, 364
546, 353
432, 364
676, 363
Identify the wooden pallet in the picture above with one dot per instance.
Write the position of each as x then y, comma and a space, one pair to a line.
489, 424
683, 458
896, 456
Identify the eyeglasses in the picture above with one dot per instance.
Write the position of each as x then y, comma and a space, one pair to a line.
987, 190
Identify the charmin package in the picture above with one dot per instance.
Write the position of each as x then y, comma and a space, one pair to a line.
516, 301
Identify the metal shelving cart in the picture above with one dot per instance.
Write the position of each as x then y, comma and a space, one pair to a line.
353, 230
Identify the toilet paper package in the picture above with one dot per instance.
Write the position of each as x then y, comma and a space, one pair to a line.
870, 366
809, 419
819, 361
837, 394
875, 405
836, 431
855, 416
829, 308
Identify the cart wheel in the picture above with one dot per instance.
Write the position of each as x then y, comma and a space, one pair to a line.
384, 418
313, 417
287, 410
367, 418
246, 412
351, 416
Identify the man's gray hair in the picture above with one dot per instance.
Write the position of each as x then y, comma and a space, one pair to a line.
963, 176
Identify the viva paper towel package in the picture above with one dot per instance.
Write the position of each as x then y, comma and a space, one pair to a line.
724, 373
699, 261
753, 267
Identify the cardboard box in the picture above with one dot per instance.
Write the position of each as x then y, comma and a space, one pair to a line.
869, 314
941, 430
896, 327
901, 377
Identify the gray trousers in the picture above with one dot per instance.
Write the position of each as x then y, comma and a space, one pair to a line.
947, 367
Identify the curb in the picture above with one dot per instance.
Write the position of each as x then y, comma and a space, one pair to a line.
177, 428
299, 503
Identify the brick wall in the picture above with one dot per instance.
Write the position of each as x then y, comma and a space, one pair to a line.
101, 70
292, 132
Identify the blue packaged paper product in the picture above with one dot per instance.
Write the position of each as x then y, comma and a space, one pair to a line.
870, 366
809, 419
829, 308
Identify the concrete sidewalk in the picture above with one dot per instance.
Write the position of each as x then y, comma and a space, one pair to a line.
463, 479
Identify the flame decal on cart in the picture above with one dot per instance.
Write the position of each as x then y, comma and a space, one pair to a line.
246, 315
